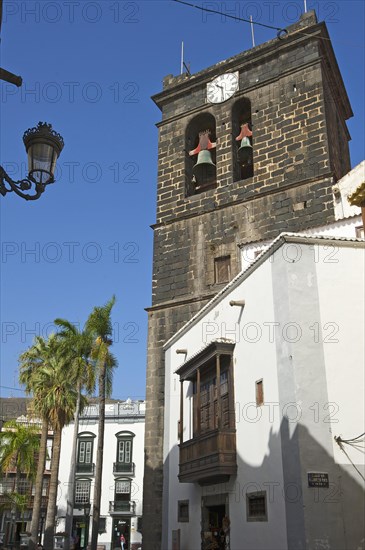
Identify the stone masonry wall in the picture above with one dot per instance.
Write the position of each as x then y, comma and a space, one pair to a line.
289, 139
338, 135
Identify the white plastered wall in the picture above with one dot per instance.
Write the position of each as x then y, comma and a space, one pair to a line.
258, 438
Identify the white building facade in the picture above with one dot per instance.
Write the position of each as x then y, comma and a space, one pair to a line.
348, 220
269, 457
122, 481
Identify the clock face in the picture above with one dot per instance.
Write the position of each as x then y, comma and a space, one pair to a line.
222, 87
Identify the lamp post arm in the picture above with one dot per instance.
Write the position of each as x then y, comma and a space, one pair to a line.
22, 185
10, 77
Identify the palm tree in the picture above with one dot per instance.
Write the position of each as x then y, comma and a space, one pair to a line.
59, 397
46, 373
19, 444
16, 502
77, 347
30, 361
100, 326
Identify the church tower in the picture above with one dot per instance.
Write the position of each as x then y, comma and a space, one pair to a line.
248, 148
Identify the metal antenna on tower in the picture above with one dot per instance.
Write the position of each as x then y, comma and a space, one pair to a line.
252, 32
183, 64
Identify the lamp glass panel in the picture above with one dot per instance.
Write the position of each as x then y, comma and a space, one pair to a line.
41, 156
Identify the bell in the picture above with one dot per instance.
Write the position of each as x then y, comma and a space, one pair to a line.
245, 151
204, 169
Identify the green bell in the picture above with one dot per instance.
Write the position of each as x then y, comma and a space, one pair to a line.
204, 169
245, 151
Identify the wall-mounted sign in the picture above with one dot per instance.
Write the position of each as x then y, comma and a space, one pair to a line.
316, 479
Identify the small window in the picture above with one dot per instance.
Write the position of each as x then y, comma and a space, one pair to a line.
82, 492
256, 506
6, 486
45, 487
183, 511
24, 486
124, 459
259, 393
222, 269
84, 463
122, 487
124, 451
85, 452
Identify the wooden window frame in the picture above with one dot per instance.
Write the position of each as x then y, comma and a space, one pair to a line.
85, 451
250, 516
182, 518
217, 279
85, 483
125, 456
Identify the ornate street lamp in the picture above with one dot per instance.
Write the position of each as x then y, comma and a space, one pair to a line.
43, 146
43, 517
87, 509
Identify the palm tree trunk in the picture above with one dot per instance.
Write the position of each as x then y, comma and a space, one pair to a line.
16, 490
71, 479
99, 460
53, 486
38, 487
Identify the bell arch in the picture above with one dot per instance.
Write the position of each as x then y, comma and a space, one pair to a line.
243, 167
200, 155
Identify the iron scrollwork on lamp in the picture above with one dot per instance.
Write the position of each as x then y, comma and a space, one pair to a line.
43, 146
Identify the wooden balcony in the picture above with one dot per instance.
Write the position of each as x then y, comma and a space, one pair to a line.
124, 468
82, 468
124, 507
6, 502
208, 458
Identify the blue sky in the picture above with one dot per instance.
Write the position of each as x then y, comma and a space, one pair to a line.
90, 68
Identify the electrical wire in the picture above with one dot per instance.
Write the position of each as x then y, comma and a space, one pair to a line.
281, 32
228, 15
359, 448
339, 442
9, 388
350, 440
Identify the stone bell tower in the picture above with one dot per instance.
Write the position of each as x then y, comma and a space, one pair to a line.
248, 148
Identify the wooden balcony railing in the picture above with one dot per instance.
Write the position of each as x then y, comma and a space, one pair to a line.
82, 468
5, 501
121, 467
122, 507
209, 457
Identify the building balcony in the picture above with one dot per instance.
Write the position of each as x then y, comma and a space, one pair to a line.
88, 469
7, 502
44, 502
124, 507
122, 468
80, 503
209, 457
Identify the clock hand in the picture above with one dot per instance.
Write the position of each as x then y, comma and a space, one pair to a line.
222, 90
